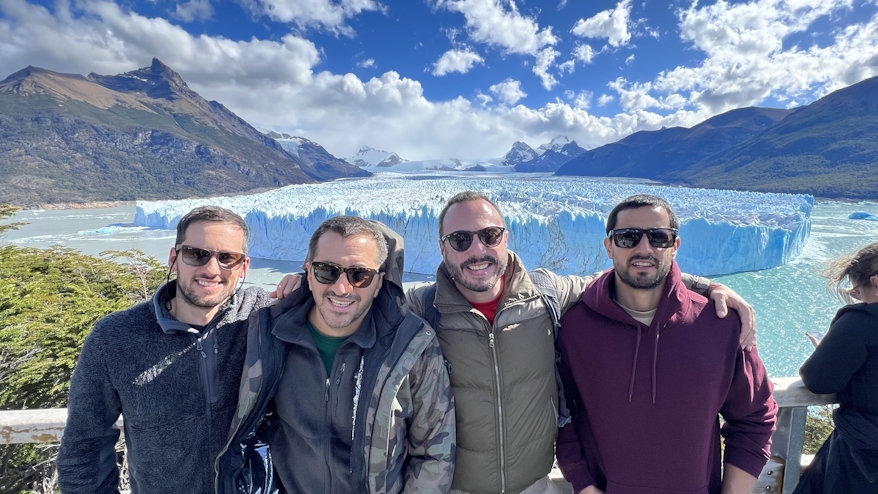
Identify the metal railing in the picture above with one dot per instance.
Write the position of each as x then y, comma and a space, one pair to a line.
780, 475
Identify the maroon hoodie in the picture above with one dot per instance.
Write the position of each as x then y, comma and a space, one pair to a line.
645, 418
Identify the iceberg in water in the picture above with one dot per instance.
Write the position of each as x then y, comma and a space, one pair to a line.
554, 222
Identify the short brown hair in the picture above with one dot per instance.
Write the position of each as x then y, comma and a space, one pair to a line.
466, 196
215, 214
349, 226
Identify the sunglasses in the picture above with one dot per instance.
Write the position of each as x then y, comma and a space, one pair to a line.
627, 238
329, 272
193, 256
462, 239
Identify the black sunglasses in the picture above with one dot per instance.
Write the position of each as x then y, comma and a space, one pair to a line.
462, 239
193, 256
628, 238
329, 272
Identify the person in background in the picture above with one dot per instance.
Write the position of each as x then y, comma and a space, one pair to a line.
352, 388
171, 366
845, 362
499, 340
648, 367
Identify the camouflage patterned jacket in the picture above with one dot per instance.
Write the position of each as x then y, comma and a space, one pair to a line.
404, 420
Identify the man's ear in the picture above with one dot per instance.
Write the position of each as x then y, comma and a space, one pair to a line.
380, 280
873, 280
607, 247
246, 268
442, 247
172, 257
676, 247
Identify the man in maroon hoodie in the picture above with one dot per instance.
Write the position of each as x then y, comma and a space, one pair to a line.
652, 381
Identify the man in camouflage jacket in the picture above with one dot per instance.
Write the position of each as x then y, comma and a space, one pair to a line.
375, 417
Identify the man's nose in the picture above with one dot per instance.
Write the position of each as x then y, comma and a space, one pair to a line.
643, 245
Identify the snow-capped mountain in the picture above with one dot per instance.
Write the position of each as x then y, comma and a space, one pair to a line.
554, 145
551, 159
519, 153
368, 157
318, 162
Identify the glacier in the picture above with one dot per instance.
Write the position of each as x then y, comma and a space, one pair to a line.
555, 222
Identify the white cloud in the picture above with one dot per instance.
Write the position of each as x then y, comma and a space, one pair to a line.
321, 14
499, 23
584, 53
509, 91
605, 99
629, 60
611, 24
569, 66
541, 67
457, 61
369, 63
194, 10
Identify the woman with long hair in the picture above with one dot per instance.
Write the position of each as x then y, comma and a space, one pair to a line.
846, 363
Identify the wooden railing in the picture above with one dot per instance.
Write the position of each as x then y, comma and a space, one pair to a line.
780, 475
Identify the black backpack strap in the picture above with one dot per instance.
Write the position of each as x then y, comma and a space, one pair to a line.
549, 293
428, 303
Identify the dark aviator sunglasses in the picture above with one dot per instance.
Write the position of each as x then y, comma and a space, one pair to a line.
328, 273
462, 239
628, 238
194, 256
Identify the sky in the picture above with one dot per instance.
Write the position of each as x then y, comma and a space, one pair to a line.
433, 79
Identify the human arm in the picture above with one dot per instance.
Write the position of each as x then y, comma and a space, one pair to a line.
737, 481
87, 456
432, 428
750, 414
840, 354
568, 448
725, 298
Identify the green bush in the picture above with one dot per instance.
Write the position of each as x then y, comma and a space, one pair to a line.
49, 302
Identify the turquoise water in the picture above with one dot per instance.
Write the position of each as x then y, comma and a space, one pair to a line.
789, 300
792, 299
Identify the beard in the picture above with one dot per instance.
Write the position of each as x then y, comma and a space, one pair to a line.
458, 273
336, 320
643, 281
187, 291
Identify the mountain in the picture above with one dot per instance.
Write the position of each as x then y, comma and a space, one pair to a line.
655, 154
827, 149
551, 159
144, 134
316, 161
519, 153
554, 145
368, 157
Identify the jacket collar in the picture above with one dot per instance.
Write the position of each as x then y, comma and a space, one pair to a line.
674, 300
161, 304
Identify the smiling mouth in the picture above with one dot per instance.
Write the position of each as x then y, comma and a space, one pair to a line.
479, 267
208, 284
340, 303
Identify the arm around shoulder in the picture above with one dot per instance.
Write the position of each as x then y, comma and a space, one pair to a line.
87, 457
432, 431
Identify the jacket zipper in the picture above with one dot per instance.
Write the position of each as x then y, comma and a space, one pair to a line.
502, 447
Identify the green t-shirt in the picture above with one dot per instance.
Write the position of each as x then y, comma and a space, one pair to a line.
327, 346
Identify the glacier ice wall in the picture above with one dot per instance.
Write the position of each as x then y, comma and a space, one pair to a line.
554, 222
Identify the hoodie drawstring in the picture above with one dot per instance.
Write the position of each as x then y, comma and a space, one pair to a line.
654, 358
634, 367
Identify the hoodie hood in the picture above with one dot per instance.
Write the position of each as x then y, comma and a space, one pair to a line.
673, 305
241, 300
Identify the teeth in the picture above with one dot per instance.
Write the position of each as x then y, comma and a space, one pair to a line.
340, 303
208, 283
478, 267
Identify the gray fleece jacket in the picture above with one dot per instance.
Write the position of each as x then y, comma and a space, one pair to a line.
177, 387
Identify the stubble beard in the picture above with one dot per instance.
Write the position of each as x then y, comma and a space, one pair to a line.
457, 273
643, 282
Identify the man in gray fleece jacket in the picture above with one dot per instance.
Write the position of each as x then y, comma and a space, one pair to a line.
171, 365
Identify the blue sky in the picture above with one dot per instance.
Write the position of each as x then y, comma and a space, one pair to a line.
461, 78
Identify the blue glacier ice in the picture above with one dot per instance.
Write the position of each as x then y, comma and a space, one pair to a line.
554, 222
